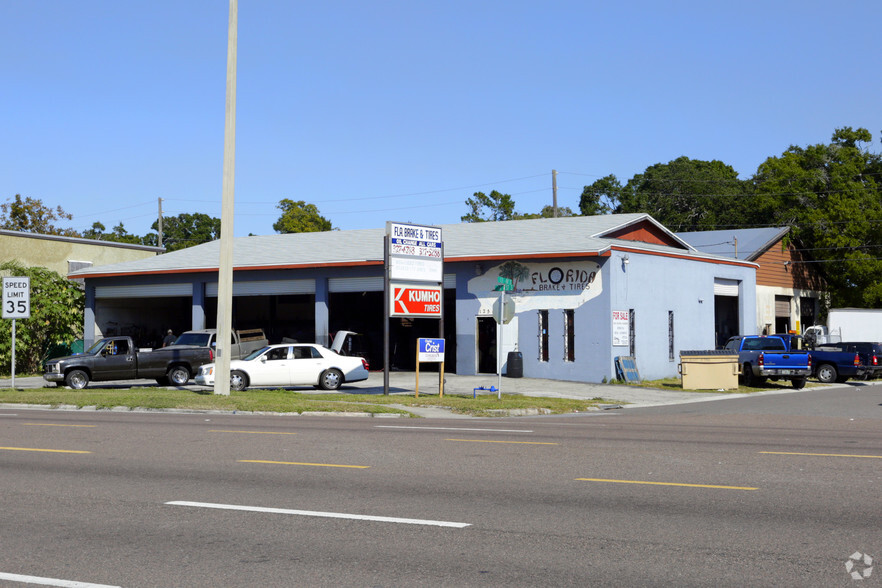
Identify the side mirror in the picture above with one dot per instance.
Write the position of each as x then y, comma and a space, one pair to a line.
263, 358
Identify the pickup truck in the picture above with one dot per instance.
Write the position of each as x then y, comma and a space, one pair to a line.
242, 342
839, 362
116, 358
763, 357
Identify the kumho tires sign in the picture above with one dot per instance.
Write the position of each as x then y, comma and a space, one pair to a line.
416, 301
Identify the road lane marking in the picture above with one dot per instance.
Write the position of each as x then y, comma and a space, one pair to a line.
54, 425
452, 429
43, 450
822, 454
252, 432
329, 515
322, 465
491, 441
51, 581
666, 484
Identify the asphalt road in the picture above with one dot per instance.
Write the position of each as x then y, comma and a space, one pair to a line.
760, 491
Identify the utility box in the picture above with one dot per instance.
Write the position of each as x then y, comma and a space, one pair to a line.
709, 370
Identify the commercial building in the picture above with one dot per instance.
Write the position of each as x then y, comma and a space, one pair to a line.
587, 290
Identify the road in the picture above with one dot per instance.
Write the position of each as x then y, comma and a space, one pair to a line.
766, 491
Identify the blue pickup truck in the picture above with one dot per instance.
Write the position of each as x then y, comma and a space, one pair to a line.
839, 362
769, 357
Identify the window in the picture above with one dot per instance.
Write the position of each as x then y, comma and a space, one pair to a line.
670, 335
543, 335
569, 335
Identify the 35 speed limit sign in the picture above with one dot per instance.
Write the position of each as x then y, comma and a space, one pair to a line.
17, 298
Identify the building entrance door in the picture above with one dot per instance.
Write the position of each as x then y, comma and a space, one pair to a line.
486, 345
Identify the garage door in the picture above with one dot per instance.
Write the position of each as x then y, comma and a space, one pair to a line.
725, 287
144, 291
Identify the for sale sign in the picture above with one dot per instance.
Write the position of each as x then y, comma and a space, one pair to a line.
416, 301
16, 298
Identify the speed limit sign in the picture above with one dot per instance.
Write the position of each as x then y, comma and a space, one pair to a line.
17, 298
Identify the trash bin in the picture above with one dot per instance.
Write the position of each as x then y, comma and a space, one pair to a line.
709, 370
515, 365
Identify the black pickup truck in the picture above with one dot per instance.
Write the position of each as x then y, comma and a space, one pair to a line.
116, 358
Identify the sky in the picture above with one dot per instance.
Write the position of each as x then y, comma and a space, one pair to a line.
401, 110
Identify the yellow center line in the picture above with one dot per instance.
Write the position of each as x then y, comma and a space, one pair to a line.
322, 465
822, 454
54, 425
252, 432
666, 484
491, 441
43, 450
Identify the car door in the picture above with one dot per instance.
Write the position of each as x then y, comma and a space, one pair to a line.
116, 361
307, 364
272, 368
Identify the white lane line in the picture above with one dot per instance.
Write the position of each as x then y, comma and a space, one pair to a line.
329, 515
51, 581
452, 429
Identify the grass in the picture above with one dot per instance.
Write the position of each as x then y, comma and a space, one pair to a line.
286, 401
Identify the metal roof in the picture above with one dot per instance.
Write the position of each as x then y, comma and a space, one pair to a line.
751, 243
545, 237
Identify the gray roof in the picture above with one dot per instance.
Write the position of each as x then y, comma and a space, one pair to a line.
465, 241
751, 243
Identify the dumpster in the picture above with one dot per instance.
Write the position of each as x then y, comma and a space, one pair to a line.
515, 365
709, 370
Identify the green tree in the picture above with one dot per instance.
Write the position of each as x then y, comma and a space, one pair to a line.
118, 235
56, 317
493, 207
601, 197
300, 217
184, 230
683, 194
30, 215
831, 197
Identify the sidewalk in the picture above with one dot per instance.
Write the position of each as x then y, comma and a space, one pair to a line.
405, 383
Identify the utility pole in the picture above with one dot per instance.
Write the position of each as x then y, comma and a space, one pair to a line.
554, 191
159, 223
225, 266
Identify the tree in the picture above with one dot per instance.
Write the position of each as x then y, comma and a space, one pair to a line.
184, 230
30, 215
56, 317
118, 235
495, 207
831, 197
601, 196
300, 217
683, 194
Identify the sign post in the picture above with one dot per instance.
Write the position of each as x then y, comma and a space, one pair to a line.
16, 305
414, 281
430, 351
503, 315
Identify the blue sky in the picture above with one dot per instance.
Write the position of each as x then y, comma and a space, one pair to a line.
400, 110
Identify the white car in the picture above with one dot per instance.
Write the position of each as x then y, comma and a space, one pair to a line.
295, 364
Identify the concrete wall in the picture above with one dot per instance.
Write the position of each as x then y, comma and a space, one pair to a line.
54, 253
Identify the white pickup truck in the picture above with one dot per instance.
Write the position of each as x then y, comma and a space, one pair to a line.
242, 342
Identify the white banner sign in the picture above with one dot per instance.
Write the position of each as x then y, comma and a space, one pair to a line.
620, 328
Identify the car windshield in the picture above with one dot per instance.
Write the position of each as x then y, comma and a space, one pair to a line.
254, 354
200, 339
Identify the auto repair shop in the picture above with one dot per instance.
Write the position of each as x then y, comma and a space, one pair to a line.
587, 289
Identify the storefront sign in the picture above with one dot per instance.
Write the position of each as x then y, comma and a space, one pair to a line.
416, 301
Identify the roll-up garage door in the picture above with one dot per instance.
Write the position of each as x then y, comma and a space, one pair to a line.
372, 284
144, 291
782, 306
265, 288
725, 287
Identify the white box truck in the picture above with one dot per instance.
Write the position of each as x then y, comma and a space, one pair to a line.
847, 324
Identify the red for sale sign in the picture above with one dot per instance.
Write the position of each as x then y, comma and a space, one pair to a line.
416, 301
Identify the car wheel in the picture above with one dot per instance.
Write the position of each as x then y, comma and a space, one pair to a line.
179, 375
331, 379
238, 380
798, 383
827, 373
76, 379
747, 373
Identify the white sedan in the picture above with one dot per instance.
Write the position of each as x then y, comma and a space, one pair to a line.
296, 364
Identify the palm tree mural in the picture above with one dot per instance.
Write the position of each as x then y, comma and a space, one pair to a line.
514, 271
